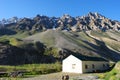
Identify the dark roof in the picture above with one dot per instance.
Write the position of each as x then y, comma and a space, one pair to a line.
87, 58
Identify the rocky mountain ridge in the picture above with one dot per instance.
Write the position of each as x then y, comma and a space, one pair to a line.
91, 21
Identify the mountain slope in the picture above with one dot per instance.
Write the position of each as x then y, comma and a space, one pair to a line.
80, 42
89, 35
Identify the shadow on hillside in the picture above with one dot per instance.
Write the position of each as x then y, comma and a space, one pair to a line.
4, 31
28, 54
102, 50
82, 56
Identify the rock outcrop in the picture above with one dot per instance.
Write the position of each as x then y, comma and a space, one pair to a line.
91, 21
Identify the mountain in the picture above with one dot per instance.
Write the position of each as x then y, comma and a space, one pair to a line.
91, 35
92, 21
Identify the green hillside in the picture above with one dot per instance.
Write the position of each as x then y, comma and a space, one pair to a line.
94, 43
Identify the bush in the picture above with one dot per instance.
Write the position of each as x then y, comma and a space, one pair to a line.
102, 76
15, 42
111, 75
52, 51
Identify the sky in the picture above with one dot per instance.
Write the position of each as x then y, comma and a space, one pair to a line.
30, 8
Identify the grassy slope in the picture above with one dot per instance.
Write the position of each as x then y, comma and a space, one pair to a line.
110, 38
52, 37
80, 41
63, 39
75, 41
19, 35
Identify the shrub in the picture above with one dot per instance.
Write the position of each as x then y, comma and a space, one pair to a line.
52, 51
111, 75
102, 76
15, 42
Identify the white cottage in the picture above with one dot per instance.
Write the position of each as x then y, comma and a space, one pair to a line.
78, 64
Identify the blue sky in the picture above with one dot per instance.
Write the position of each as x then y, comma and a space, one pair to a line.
30, 8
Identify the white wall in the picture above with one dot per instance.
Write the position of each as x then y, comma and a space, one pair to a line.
72, 64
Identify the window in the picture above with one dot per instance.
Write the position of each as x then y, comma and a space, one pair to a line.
93, 66
73, 66
86, 66
107, 65
103, 65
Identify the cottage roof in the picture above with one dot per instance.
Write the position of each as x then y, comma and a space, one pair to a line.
87, 58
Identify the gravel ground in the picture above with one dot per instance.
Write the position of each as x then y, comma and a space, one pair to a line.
58, 76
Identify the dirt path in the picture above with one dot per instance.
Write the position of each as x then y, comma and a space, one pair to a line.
58, 76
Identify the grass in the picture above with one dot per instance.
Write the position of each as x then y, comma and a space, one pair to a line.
47, 37
33, 69
109, 38
15, 40
112, 43
73, 40
10, 78
114, 74
100, 34
20, 35
115, 32
79, 40
52, 51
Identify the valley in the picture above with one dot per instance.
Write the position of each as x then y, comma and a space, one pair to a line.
47, 40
